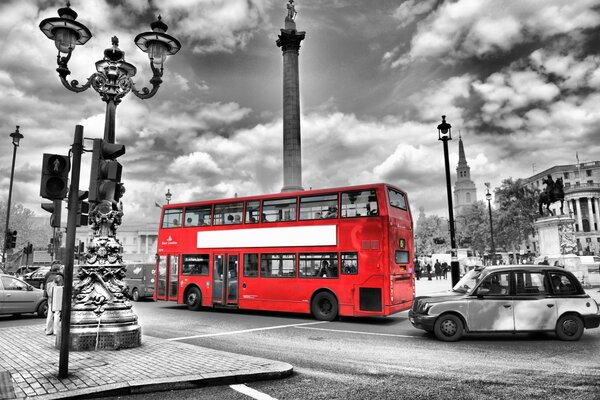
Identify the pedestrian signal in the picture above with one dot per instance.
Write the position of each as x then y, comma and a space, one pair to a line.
55, 172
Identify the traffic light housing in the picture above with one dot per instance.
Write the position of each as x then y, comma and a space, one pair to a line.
53, 208
83, 208
11, 239
105, 176
28, 249
55, 176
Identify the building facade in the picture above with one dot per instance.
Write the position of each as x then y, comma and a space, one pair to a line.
465, 191
582, 200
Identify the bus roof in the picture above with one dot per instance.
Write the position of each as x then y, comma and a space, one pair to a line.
283, 195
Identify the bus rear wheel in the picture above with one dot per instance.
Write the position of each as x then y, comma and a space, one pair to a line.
324, 306
193, 299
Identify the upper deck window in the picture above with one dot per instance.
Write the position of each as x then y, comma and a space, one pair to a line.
197, 216
252, 212
227, 214
397, 199
279, 210
172, 218
318, 207
359, 204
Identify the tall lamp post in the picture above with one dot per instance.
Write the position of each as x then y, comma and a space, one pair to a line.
488, 197
168, 196
16, 138
445, 134
107, 322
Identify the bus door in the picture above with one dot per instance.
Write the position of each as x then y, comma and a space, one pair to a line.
167, 278
225, 279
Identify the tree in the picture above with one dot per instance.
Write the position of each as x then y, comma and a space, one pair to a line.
473, 228
431, 235
30, 229
517, 211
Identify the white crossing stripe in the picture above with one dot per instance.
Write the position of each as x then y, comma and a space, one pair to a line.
246, 331
359, 332
248, 391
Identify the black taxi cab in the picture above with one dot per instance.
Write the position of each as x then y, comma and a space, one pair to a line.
509, 299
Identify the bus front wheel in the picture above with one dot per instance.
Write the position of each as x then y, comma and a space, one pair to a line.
193, 299
324, 306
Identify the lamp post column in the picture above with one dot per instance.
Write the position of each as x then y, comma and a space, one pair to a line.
488, 196
445, 135
16, 138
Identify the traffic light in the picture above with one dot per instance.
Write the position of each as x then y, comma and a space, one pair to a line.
83, 208
105, 176
55, 176
11, 239
28, 249
53, 208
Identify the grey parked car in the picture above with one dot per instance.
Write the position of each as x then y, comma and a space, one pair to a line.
19, 297
509, 298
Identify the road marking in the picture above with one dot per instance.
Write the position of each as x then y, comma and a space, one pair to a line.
246, 330
360, 333
248, 391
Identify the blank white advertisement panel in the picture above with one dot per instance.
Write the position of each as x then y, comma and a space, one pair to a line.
269, 237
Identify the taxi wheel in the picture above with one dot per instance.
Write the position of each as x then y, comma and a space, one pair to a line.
193, 299
569, 327
448, 328
42, 311
324, 307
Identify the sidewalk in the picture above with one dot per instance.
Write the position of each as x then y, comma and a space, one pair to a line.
29, 367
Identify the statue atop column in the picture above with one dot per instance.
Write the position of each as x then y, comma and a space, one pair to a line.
291, 11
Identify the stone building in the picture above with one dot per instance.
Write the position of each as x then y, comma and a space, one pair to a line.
582, 200
465, 191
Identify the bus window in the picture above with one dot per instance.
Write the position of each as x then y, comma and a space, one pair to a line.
196, 264
317, 207
397, 199
349, 263
318, 265
197, 216
278, 265
172, 218
359, 204
279, 210
226, 214
252, 212
250, 264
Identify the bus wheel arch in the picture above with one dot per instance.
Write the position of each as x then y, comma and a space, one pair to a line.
193, 298
324, 305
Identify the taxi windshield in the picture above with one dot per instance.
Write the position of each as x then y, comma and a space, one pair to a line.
468, 281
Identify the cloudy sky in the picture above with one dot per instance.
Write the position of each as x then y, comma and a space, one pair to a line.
519, 79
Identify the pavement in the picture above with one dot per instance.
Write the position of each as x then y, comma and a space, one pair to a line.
29, 367
29, 364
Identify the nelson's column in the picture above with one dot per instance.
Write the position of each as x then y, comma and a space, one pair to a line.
289, 41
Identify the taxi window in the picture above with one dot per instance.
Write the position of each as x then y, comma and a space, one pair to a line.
530, 283
497, 284
562, 284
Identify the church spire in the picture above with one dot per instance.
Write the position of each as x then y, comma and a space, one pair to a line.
465, 191
462, 160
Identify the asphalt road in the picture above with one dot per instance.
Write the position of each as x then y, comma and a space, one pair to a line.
383, 358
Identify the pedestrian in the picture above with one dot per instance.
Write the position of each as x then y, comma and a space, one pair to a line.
49, 277
53, 317
417, 269
437, 268
428, 266
445, 268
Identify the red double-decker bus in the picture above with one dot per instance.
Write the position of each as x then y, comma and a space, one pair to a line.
330, 252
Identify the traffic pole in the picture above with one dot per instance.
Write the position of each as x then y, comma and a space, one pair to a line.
77, 150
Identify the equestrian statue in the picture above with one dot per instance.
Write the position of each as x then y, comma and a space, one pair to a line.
553, 193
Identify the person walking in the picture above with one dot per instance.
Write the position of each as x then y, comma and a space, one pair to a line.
429, 271
417, 269
53, 315
437, 268
445, 269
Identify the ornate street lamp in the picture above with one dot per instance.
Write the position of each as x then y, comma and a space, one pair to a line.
113, 77
445, 134
488, 197
102, 315
16, 138
168, 196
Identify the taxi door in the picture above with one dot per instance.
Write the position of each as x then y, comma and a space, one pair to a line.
490, 308
534, 309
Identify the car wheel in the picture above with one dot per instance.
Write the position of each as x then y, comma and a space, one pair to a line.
448, 328
324, 307
135, 295
569, 327
193, 299
42, 311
